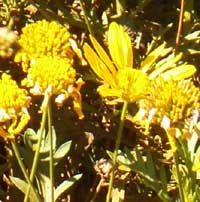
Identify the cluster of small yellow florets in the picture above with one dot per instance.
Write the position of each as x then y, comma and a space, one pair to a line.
13, 106
46, 56
176, 100
54, 72
43, 38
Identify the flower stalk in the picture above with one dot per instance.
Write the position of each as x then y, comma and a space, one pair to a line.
180, 186
37, 152
117, 145
86, 17
23, 169
51, 153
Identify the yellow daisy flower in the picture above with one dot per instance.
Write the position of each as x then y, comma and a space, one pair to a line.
43, 38
13, 107
119, 79
58, 77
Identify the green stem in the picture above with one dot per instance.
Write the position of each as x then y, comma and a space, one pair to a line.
86, 17
23, 169
51, 153
180, 187
117, 145
37, 152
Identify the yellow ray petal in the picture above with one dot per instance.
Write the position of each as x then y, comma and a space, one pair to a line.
120, 48
146, 65
106, 91
165, 66
99, 68
103, 55
180, 72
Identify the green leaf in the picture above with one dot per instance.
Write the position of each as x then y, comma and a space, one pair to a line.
23, 186
62, 150
193, 36
150, 166
123, 159
65, 185
44, 183
45, 145
30, 132
163, 178
145, 167
30, 138
110, 154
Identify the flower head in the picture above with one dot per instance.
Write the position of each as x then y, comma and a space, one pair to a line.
48, 71
176, 100
118, 77
43, 38
130, 85
13, 107
57, 76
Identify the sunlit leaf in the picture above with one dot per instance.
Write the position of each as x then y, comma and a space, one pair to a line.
45, 145
45, 186
23, 186
193, 36
62, 150
64, 186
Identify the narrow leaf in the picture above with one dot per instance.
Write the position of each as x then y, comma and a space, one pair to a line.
46, 143
23, 186
62, 150
150, 166
64, 186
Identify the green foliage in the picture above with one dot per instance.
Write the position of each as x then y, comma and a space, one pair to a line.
44, 184
43, 181
31, 140
65, 185
152, 174
22, 185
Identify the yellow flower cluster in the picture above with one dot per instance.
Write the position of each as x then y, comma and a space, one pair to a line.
175, 100
49, 72
43, 38
46, 56
58, 77
13, 107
